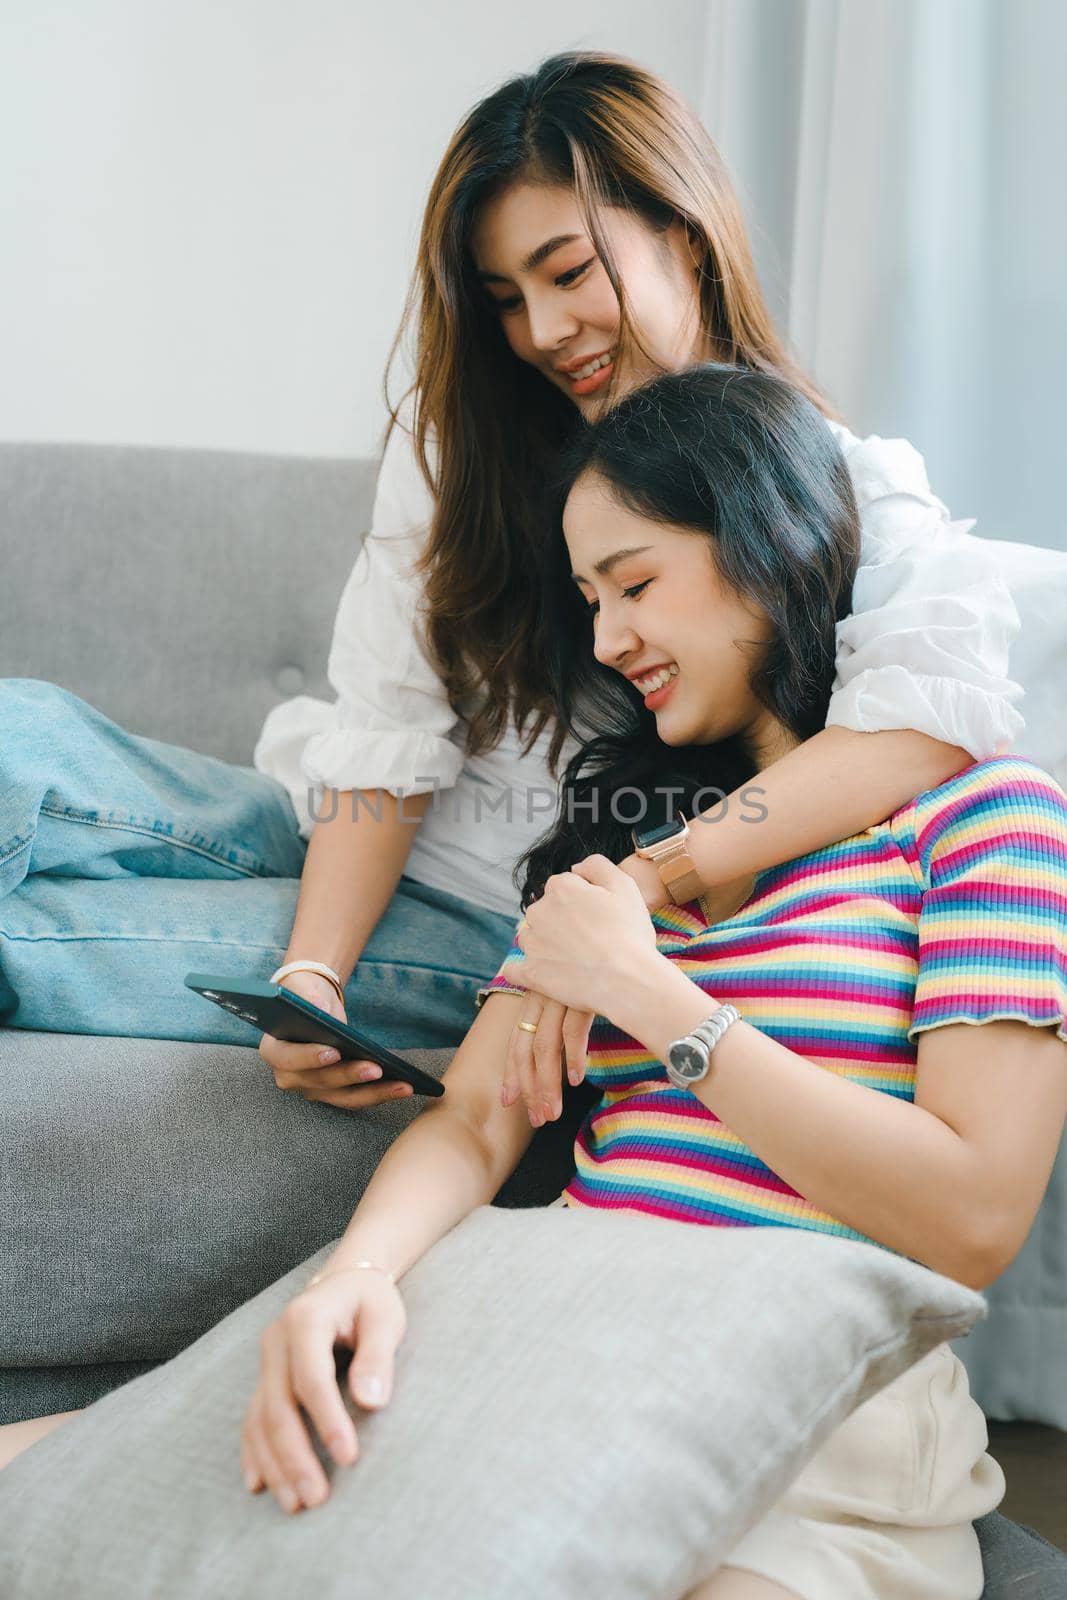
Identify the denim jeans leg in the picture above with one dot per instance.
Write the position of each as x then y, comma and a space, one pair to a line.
99, 831
82, 798
110, 957
83, 955
125, 864
416, 984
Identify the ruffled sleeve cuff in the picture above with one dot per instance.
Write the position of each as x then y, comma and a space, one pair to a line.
307, 749
928, 642
401, 763
947, 709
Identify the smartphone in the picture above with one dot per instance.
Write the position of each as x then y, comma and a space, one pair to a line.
285, 1015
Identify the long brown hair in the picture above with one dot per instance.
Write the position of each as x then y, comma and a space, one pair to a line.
493, 426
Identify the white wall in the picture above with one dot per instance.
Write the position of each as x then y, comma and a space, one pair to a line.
208, 208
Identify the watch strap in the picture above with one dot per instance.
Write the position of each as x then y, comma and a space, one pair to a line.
681, 881
674, 864
716, 1025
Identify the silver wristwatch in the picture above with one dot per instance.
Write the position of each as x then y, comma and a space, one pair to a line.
689, 1059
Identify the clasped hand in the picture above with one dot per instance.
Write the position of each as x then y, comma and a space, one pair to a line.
590, 925
360, 1310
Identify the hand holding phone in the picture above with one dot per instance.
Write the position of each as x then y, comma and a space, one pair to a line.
321, 1072
297, 1031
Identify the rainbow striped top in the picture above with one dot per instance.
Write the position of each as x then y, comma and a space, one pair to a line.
954, 910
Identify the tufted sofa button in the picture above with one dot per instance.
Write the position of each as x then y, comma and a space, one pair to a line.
289, 680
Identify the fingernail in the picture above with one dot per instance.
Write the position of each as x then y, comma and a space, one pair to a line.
251, 1479
309, 1491
328, 1057
402, 1092
536, 1117
572, 1077
288, 1499
366, 1074
340, 1448
370, 1390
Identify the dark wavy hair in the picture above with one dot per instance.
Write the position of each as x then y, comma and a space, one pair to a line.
744, 460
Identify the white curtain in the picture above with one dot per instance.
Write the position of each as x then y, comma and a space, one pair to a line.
903, 164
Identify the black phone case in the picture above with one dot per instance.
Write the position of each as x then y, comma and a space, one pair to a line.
289, 1016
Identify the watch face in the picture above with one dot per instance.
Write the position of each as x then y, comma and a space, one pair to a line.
654, 836
687, 1060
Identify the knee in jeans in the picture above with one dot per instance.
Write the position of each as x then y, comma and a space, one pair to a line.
34, 710
34, 698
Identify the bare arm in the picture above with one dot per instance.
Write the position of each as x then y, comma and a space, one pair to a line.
451, 1159
953, 1180
833, 785
353, 865
354, 862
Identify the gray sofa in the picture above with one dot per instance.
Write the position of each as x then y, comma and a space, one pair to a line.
147, 1188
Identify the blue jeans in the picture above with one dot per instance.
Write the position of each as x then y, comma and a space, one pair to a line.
126, 863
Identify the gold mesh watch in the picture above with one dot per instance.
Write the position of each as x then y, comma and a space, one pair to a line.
667, 847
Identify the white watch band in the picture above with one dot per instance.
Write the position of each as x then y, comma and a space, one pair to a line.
318, 967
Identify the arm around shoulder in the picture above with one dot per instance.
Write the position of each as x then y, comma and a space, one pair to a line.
923, 681
454, 1157
832, 786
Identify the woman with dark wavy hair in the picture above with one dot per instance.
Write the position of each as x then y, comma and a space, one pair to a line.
831, 1049
788, 540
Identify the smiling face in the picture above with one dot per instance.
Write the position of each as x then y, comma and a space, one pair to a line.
558, 311
665, 619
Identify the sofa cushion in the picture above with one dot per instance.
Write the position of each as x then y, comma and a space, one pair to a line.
550, 1433
149, 1187
1018, 1563
198, 586
42, 1391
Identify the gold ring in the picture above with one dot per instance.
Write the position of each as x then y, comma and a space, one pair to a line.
527, 1027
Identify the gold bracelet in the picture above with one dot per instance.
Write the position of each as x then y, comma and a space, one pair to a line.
338, 991
356, 1266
